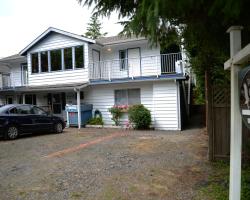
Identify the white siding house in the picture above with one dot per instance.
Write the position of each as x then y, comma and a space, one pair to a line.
60, 68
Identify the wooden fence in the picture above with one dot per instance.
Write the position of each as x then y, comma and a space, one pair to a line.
219, 136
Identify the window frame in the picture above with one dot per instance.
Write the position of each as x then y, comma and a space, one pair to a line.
47, 53
31, 58
62, 59
83, 55
64, 64
123, 62
127, 95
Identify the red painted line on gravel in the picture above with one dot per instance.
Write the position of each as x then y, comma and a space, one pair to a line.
84, 145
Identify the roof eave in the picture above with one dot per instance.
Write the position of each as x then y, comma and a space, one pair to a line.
50, 29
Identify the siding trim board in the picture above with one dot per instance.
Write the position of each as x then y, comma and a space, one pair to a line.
54, 30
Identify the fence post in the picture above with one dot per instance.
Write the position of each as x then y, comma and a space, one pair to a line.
209, 114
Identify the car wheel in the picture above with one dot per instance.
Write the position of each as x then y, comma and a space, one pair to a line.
58, 127
12, 133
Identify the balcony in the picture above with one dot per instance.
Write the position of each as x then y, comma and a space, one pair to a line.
160, 65
13, 79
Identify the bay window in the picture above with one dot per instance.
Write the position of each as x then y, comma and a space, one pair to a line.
56, 60
44, 61
34, 63
79, 57
68, 58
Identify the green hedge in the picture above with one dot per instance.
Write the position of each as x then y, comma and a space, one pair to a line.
139, 116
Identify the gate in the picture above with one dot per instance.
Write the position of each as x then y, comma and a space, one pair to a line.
220, 136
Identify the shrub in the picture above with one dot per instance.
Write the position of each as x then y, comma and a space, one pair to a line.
116, 112
139, 116
95, 121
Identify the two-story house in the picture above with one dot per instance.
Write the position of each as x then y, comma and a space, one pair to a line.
60, 68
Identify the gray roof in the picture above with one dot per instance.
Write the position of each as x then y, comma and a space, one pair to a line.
117, 39
12, 58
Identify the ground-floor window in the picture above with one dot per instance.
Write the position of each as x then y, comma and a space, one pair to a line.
30, 99
128, 97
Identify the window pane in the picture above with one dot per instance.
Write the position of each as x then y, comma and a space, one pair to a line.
68, 58
79, 57
121, 97
34, 63
56, 61
30, 99
23, 110
134, 97
37, 111
44, 61
13, 111
123, 60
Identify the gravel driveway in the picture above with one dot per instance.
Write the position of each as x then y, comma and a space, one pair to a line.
104, 164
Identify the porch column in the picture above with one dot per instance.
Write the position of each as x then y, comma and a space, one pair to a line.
78, 107
23, 95
236, 121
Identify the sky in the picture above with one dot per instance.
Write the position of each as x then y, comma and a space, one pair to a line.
21, 21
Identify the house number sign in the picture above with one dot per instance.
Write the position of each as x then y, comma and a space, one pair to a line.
244, 95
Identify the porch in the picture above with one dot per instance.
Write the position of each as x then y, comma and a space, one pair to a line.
138, 67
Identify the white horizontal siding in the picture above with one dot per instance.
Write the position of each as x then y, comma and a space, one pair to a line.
16, 76
58, 41
159, 97
55, 41
165, 105
150, 60
102, 98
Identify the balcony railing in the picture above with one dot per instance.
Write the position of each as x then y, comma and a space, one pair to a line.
136, 67
13, 79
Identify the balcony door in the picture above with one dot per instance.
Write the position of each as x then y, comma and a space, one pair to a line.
24, 69
134, 62
96, 64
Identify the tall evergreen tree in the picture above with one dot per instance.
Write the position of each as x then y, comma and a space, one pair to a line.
203, 24
94, 28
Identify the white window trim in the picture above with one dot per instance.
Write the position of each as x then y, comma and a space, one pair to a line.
62, 60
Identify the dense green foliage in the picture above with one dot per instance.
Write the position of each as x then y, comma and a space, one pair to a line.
139, 116
116, 112
94, 28
218, 183
95, 121
201, 24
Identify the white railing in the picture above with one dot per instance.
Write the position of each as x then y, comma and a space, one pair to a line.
136, 67
13, 79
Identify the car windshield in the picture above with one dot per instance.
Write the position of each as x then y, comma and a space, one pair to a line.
3, 109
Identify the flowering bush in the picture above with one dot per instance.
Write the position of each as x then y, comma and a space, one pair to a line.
117, 111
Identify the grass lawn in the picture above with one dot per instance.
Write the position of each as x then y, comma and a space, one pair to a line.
217, 187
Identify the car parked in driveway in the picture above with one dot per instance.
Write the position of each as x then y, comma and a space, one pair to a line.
18, 119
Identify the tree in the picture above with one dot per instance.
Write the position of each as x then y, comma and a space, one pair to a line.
94, 28
201, 23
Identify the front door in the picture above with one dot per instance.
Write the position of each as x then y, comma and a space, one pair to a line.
57, 103
134, 62
9, 100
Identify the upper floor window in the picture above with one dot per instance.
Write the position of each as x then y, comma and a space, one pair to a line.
68, 58
44, 61
123, 59
56, 60
79, 57
34, 63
